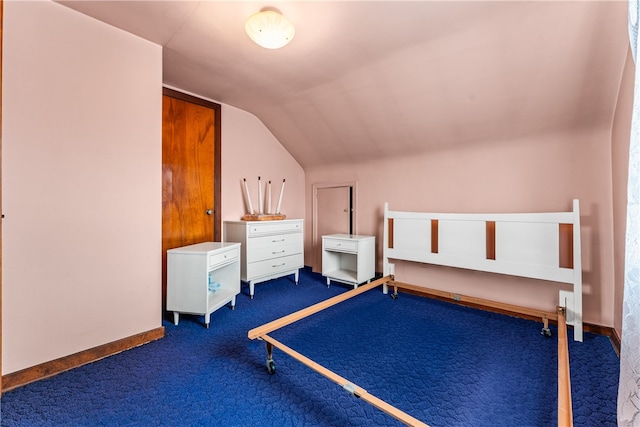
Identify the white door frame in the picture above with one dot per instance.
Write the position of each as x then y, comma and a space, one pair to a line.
315, 243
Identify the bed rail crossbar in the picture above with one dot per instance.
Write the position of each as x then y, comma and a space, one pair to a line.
305, 312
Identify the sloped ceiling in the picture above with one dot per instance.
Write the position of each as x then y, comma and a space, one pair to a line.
365, 79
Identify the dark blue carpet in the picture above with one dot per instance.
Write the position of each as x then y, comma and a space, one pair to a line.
444, 364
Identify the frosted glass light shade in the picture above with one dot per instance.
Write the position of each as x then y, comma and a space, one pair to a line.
269, 29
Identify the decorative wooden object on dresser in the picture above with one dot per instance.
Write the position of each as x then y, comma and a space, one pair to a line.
270, 249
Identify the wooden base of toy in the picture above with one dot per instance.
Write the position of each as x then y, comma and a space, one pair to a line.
263, 217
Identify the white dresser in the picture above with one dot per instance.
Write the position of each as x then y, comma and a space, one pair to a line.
201, 278
348, 258
270, 249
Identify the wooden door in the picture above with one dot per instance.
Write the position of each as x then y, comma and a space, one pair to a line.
334, 208
190, 174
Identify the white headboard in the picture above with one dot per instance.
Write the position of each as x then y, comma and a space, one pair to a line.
542, 246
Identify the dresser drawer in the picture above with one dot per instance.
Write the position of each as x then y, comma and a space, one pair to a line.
223, 258
339, 245
257, 243
274, 251
274, 227
274, 266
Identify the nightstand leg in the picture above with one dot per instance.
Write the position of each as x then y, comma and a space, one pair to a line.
176, 318
297, 275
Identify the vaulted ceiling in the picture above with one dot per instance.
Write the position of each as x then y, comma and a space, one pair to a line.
365, 79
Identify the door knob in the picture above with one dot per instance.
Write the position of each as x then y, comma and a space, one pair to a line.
209, 211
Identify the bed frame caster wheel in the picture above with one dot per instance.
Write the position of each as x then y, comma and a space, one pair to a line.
271, 367
546, 332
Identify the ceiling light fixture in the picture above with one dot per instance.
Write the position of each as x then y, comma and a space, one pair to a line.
269, 29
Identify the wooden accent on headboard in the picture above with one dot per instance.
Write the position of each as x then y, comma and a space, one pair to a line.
390, 224
491, 239
434, 236
565, 245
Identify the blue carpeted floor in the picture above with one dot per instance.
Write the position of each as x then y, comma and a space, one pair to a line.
444, 364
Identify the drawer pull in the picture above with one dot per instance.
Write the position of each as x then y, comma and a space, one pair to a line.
277, 241
278, 265
277, 252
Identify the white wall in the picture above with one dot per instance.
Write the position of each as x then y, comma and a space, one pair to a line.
81, 176
620, 141
249, 150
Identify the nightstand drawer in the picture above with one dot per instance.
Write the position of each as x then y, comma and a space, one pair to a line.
340, 245
224, 257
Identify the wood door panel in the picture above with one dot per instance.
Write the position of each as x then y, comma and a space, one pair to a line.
187, 170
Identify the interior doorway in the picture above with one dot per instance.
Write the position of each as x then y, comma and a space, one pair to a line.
334, 212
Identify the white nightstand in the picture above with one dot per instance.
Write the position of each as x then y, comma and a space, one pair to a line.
348, 258
190, 271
